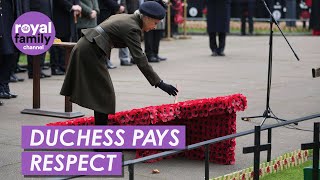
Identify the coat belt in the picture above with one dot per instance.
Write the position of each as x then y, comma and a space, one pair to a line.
102, 32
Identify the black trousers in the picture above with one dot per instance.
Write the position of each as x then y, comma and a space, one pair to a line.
218, 48
152, 42
246, 11
7, 61
58, 55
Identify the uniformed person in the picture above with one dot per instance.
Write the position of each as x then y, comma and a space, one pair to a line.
218, 24
88, 82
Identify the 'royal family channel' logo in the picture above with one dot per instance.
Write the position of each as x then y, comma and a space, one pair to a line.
33, 33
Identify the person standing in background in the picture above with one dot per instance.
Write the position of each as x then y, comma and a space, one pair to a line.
89, 14
44, 7
218, 23
65, 14
131, 5
9, 11
152, 39
246, 9
315, 17
107, 9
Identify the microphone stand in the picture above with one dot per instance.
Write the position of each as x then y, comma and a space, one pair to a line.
268, 112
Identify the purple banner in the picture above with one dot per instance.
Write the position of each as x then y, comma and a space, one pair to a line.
72, 163
103, 137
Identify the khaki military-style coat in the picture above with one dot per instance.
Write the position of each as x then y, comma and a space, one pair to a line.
87, 81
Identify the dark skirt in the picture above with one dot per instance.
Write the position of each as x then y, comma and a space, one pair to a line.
88, 82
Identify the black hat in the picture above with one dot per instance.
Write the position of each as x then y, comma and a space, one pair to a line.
152, 9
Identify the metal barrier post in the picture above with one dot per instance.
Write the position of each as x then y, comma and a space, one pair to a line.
131, 171
269, 142
315, 146
206, 155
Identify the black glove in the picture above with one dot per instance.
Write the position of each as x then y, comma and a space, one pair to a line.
167, 88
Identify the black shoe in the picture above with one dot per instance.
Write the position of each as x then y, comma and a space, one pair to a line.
214, 53
153, 59
45, 67
110, 65
1, 103
221, 54
126, 63
161, 58
20, 69
56, 71
15, 78
7, 90
4, 95
44, 75
12, 95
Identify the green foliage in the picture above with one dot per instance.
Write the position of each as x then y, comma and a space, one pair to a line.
23, 59
293, 173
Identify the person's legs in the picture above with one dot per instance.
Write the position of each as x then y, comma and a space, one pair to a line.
4, 75
62, 55
19, 69
6, 62
242, 11
250, 16
222, 43
149, 45
213, 43
30, 66
14, 67
100, 118
156, 44
148, 37
53, 58
124, 56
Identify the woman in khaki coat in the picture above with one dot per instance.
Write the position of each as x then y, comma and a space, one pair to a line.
88, 82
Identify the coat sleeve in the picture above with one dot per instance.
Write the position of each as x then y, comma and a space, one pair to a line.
86, 10
133, 41
96, 6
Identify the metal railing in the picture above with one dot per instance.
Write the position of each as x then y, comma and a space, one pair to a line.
131, 163
254, 19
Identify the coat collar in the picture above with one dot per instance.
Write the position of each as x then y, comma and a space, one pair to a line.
137, 18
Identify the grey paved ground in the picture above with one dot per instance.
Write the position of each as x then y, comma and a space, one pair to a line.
244, 70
